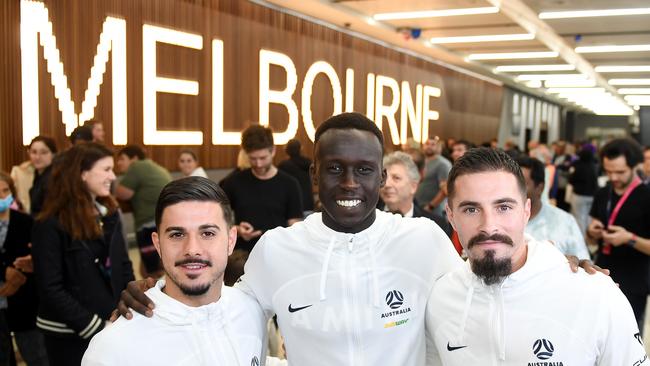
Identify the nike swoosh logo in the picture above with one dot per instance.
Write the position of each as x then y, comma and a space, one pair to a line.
450, 348
293, 310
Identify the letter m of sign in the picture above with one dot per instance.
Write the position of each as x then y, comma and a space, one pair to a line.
35, 22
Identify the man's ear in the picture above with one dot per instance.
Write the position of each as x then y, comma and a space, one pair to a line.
232, 239
384, 176
450, 215
273, 151
156, 242
312, 174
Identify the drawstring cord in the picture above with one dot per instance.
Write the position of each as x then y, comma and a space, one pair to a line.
325, 268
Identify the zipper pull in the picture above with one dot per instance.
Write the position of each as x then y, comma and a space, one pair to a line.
350, 244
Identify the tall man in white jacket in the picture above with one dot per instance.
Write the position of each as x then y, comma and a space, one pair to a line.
198, 321
516, 302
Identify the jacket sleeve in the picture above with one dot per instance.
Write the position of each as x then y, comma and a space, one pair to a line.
621, 342
48, 245
254, 281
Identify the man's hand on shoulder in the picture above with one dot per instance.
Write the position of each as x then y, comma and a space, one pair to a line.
133, 297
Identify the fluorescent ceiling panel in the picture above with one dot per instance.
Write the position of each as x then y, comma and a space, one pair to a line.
592, 13
526, 68
613, 48
629, 81
435, 13
483, 38
634, 91
511, 55
623, 68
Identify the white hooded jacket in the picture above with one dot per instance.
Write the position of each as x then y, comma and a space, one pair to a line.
228, 332
543, 314
350, 299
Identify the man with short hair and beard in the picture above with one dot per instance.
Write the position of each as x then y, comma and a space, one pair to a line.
198, 321
517, 302
263, 197
621, 223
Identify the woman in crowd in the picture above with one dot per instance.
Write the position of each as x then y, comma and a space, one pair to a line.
16, 279
189, 165
41, 153
80, 258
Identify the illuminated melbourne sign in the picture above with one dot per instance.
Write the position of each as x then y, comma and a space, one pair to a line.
403, 110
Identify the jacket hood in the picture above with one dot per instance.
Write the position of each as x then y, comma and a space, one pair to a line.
541, 257
176, 313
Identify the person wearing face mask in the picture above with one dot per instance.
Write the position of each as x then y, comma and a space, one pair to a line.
80, 259
41, 153
18, 299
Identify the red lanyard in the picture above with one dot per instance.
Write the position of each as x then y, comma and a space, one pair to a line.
607, 249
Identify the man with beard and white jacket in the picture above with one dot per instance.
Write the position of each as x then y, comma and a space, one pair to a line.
516, 302
198, 321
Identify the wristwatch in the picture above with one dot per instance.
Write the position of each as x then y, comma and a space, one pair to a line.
632, 241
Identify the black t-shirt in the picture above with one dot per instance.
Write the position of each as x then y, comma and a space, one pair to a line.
265, 204
298, 167
629, 267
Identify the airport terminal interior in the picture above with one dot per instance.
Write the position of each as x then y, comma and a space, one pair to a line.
104, 104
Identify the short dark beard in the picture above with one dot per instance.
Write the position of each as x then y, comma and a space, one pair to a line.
197, 290
489, 269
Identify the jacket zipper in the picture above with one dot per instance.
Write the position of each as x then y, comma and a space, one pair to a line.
351, 292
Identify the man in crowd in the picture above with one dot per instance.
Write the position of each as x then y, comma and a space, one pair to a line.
517, 302
297, 166
141, 184
262, 197
548, 222
646, 165
81, 135
620, 216
351, 282
398, 194
436, 168
195, 235
459, 148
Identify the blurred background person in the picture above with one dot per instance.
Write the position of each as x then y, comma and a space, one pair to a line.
80, 259
398, 194
436, 169
17, 284
548, 222
81, 135
263, 197
297, 166
97, 129
140, 185
188, 164
646, 165
459, 148
23, 177
584, 180
41, 153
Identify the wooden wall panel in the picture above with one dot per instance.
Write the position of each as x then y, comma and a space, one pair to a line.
469, 107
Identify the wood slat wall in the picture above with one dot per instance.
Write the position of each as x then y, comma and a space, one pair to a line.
469, 107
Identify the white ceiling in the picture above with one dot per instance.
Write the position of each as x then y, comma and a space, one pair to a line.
514, 16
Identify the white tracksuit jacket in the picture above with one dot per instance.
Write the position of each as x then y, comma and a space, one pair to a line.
350, 299
228, 332
541, 315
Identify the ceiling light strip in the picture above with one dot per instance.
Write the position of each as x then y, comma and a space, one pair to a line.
435, 13
634, 91
614, 48
511, 55
483, 38
629, 81
593, 13
526, 68
623, 68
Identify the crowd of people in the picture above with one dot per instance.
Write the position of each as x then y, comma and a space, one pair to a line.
352, 254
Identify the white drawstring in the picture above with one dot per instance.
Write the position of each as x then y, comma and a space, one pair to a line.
502, 325
463, 320
226, 330
325, 268
373, 270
